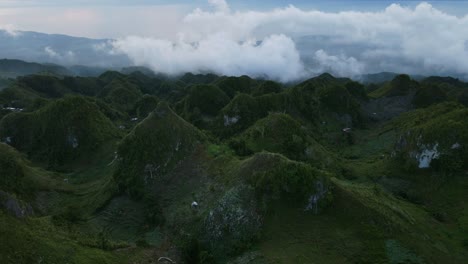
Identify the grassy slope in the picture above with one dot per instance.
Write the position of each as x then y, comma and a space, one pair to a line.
415, 218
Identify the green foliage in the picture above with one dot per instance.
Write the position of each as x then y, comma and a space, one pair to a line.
267, 87
278, 133
71, 214
108, 76
36, 240
244, 109
401, 85
279, 177
145, 105
82, 85
59, 132
233, 224
47, 86
443, 124
428, 95
357, 90
398, 254
12, 174
121, 94
338, 99
248, 203
234, 85
325, 94
202, 100
289, 179
153, 148
190, 78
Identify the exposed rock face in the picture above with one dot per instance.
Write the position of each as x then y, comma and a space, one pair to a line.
314, 199
386, 108
234, 222
250, 257
230, 120
15, 207
438, 132
426, 155
72, 141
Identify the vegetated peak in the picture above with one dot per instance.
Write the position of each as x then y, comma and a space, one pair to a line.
324, 79
191, 78
153, 148
14, 68
444, 80
59, 132
109, 76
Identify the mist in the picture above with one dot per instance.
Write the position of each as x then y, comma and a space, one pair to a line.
420, 40
283, 44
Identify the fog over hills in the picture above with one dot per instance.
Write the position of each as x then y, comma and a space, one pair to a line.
285, 44
172, 131
59, 49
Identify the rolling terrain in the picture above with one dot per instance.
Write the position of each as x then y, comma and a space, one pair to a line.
135, 167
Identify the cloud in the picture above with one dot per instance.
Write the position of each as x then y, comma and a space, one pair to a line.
10, 30
65, 58
51, 53
220, 5
274, 57
96, 21
283, 43
419, 40
340, 65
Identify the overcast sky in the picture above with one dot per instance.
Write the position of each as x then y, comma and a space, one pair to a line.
262, 37
161, 18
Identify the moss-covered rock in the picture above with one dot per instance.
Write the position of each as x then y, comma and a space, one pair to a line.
434, 137
12, 171
267, 87
280, 133
121, 94
239, 114
59, 132
280, 178
325, 94
428, 95
233, 224
401, 85
153, 148
232, 85
202, 102
145, 105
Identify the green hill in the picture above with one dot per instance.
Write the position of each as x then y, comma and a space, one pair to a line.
199, 168
59, 132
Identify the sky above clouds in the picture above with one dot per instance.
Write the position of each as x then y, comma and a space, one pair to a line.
283, 40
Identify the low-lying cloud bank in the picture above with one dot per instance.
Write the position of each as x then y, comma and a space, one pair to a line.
420, 40
274, 57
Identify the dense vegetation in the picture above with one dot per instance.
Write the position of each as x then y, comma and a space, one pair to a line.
130, 166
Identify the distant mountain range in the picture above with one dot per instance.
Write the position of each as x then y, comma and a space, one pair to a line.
12, 68
383, 77
59, 49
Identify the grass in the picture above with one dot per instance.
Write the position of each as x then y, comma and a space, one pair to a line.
101, 208
38, 240
362, 225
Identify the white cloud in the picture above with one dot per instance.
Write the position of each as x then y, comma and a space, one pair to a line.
339, 65
10, 30
275, 57
220, 5
420, 40
416, 40
97, 21
51, 52
65, 58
